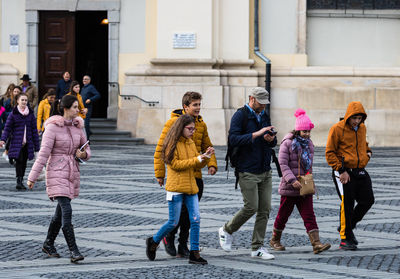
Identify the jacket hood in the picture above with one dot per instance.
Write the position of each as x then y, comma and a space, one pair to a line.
355, 108
59, 121
179, 112
289, 136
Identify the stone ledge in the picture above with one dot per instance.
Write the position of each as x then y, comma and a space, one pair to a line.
8, 69
317, 71
171, 72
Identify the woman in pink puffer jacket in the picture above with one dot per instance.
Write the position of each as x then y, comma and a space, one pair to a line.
62, 139
296, 155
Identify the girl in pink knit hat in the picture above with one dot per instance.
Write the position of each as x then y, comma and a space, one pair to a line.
296, 146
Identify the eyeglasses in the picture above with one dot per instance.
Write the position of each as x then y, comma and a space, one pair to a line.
191, 129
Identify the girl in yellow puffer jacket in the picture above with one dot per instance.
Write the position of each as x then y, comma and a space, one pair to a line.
180, 154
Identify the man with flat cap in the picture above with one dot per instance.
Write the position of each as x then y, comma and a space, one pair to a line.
252, 132
29, 89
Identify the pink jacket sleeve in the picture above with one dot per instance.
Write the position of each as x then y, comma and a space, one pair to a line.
284, 157
83, 140
44, 153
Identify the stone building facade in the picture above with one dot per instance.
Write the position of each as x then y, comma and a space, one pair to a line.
323, 56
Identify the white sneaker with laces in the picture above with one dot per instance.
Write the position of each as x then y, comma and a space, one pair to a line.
225, 239
262, 253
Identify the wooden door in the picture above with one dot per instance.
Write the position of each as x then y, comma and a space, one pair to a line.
56, 48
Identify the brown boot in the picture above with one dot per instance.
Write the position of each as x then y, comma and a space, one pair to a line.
275, 241
318, 247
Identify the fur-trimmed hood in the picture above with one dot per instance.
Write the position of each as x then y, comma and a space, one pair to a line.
60, 121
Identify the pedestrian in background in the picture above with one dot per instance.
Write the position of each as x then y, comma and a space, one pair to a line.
9, 105
296, 154
62, 139
182, 158
44, 109
74, 90
348, 154
89, 96
63, 85
4, 99
30, 90
21, 126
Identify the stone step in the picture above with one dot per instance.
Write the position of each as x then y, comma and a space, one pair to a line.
104, 131
102, 139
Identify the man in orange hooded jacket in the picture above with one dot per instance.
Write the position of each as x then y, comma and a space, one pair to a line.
347, 152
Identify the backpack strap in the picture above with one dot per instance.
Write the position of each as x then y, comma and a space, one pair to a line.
244, 125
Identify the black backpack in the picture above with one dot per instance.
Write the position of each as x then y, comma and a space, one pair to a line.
232, 153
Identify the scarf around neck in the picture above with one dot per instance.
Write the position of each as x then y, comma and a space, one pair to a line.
302, 144
24, 112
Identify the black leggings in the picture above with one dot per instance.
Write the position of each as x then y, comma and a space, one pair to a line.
20, 162
63, 212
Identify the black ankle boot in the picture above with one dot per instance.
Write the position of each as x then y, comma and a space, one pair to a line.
183, 251
169, 244
20, 185
151, 248
70, 238
194, 258
48, 245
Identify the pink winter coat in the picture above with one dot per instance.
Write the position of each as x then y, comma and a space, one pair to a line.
289, 163
59, 144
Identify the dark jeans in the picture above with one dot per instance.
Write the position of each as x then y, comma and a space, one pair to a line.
184, 222
356, 190
87, 121
20, 162
63, 212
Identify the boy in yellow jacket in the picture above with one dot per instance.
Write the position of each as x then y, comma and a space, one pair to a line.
347, 152
191, 103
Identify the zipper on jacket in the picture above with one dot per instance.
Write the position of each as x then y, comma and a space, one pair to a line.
358, 157
190, 174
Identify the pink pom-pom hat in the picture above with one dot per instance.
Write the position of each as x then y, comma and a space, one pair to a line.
303, 122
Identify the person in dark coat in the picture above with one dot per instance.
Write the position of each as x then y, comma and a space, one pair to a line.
63, 85
89, 95
21, 124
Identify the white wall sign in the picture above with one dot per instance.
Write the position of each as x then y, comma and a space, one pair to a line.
14, 41
184, 40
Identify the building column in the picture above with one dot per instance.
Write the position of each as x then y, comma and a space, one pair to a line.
113, 53
32, 49
301, 26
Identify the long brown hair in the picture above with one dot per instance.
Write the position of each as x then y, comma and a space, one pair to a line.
73, 83
173, 135
8, 94
50, 92
14, 98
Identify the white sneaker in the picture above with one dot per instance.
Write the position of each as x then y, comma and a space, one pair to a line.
5, 156
262, 253
225, 239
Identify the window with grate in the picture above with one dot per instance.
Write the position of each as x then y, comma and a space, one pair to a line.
354, 4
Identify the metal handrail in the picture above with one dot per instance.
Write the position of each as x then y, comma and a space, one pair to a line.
128, 97
150, 103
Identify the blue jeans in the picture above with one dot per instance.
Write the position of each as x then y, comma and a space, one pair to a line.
175, 207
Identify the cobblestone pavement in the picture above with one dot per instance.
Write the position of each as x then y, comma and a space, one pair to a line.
120, 205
